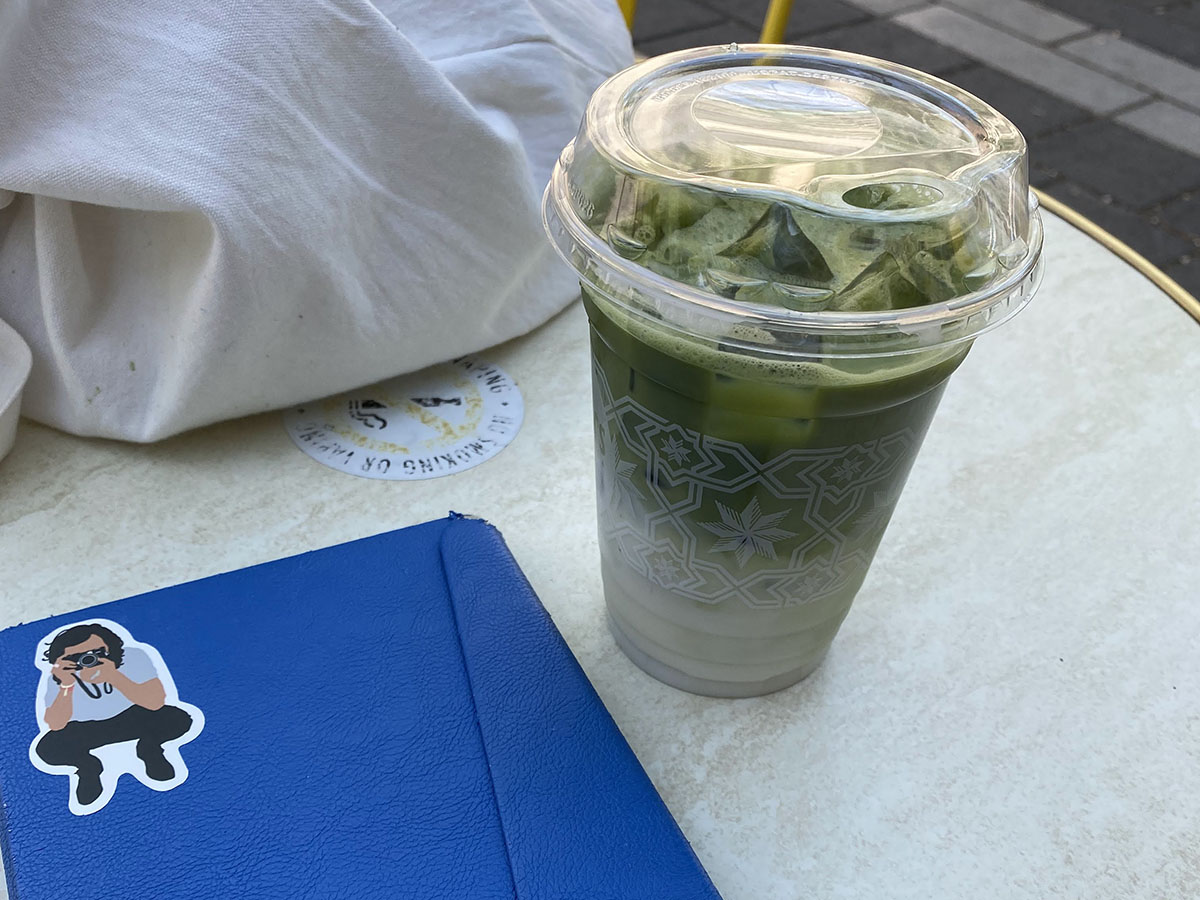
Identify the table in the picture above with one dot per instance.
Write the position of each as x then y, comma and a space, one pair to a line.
1012, 709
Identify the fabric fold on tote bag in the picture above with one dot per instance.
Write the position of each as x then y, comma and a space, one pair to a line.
212, 209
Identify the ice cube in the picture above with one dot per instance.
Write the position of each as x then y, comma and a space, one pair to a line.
881, 285
931, 277
715, 230
790, 296
777, 241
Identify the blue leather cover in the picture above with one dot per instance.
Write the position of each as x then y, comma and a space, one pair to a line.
396, 717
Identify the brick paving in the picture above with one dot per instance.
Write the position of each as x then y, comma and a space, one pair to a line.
1107, 92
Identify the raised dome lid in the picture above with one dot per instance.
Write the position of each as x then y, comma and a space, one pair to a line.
795, 181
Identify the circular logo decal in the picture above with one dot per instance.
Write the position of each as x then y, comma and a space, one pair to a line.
444, 419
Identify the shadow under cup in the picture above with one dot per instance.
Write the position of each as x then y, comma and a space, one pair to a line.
741, 502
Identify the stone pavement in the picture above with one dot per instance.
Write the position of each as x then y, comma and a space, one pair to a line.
1107, 92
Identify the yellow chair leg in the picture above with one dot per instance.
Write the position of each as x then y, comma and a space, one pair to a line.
628, 8
775, 24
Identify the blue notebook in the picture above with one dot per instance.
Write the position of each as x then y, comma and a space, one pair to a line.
396, 717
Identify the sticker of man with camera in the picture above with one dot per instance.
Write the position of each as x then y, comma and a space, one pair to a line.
107, 706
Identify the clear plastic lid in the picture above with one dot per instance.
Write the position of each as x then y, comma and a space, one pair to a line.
806, 191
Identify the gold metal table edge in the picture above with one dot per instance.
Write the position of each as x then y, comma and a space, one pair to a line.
1119, 248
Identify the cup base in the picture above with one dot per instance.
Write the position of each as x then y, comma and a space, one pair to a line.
726, 690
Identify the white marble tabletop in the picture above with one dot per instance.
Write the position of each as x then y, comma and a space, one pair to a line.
1012, 709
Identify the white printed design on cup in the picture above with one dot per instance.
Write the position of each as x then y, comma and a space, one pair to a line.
786, 531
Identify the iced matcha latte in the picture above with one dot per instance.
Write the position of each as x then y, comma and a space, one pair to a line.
784, 254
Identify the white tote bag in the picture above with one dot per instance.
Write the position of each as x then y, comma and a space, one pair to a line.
217, 207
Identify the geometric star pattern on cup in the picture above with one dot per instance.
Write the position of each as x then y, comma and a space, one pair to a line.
747, 532
654, 476
613, 473
675, 450
847, 469
664, 570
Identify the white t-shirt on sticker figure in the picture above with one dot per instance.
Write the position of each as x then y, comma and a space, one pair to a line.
93, 702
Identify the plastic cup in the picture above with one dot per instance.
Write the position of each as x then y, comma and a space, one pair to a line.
784, 254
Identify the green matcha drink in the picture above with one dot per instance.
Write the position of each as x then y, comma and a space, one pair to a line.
784, 254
